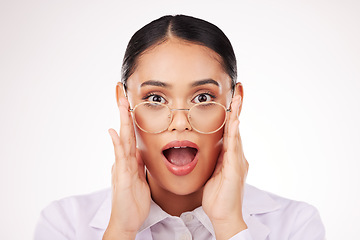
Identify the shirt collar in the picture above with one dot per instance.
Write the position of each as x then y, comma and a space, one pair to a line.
102, 216
255, 202
156, 215
204, 219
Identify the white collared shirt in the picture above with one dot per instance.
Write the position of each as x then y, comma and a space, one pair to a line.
268, 217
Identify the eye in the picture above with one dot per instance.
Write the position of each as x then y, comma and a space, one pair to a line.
203, 97
156, 98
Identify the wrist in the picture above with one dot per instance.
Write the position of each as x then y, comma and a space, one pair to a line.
225, 230
116, 234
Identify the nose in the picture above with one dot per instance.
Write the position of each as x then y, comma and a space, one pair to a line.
180, 120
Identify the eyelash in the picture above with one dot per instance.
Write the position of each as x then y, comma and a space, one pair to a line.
147, 96
213, 97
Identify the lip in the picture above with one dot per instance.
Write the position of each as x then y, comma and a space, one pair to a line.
181, 170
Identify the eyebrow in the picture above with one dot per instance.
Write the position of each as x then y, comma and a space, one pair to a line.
204, 82
155, 83
166, 85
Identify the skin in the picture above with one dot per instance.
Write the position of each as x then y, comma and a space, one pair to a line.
217, 181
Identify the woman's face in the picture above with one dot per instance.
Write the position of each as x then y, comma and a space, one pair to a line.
172, 73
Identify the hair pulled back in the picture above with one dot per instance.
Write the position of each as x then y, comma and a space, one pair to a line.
188, 28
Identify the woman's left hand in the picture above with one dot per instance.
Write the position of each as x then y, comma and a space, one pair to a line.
224, 191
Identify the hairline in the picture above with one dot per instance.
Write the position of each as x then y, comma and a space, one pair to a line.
168, 37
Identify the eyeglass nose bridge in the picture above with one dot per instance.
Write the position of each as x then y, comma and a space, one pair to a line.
179, 109
172, 110
227, 110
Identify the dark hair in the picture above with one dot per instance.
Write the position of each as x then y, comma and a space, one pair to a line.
184, 27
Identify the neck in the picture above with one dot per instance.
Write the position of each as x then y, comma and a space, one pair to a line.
172, 203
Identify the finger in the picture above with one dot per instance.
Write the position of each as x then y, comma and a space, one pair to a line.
244, 165
233, 154
246, 168
127, 135
118, 149
114, 137
239, 145
116, 143
226, 130
141, 166
113, 168
113, 175
244, 162
219, 163
231, 117
235, 105
233, 134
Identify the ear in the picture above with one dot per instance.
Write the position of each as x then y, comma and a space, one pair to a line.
120, 92
239, 91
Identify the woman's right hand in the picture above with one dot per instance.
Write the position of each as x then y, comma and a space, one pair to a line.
130, 191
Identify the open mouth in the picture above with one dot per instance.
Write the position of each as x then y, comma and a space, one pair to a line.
180, 156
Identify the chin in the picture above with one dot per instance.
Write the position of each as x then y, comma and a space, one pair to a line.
185, 188
180, 185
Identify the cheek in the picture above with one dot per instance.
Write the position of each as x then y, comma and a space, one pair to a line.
148, 146
143, 140
211, 147
140, 140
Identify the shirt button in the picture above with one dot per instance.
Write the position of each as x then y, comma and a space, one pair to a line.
188, 217
185, 236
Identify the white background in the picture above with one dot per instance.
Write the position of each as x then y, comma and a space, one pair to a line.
299, 63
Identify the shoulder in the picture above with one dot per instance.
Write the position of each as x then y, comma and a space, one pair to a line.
65, 217
260, 201
72, 206
283, 216
293, 207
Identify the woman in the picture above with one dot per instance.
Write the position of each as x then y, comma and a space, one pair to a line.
179, 170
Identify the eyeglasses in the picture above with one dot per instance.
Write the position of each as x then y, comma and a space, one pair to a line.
205, 117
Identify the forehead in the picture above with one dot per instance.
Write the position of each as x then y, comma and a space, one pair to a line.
179, 63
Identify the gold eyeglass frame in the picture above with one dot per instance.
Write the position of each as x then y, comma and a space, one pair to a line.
132, 110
